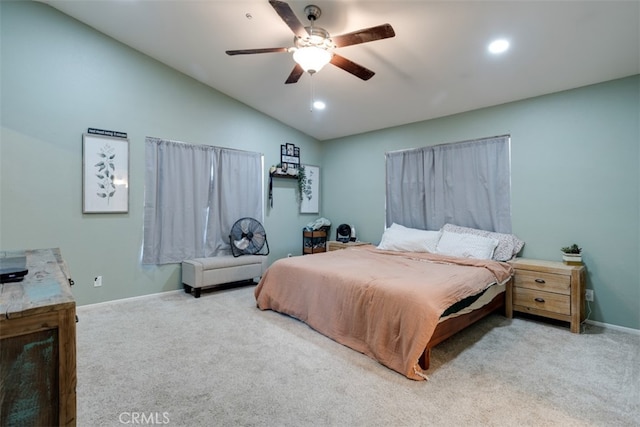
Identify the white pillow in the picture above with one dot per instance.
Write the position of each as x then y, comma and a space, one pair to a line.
508, 244
400, 238
466, 245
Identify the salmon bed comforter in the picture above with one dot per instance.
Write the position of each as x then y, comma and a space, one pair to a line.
381, 303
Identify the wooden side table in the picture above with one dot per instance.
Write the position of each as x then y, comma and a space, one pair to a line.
334, 245
549, 289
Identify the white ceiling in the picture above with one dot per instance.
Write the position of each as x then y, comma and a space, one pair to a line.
436, 65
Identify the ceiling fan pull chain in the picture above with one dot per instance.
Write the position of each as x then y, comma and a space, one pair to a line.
311, 92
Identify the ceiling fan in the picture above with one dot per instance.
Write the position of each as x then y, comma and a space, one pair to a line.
313, 46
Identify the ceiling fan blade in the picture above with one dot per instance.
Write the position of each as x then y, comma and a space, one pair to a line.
295, 75
366, 35
351, 67
286, 14
252, 51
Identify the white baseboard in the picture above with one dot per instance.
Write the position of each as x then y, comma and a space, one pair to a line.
115, 301
98, 304
615, 327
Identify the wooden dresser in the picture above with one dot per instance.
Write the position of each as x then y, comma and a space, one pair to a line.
38, 344
549, 289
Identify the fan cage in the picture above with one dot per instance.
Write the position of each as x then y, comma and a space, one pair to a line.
248, 237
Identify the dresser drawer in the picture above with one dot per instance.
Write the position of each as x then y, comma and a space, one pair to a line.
535, 280
540, 300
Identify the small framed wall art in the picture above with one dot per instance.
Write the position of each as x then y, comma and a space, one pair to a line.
289, 159
105, 174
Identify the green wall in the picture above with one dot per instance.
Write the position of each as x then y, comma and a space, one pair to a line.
60, 77
575, 162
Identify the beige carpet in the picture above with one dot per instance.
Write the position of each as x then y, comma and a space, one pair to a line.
175, 360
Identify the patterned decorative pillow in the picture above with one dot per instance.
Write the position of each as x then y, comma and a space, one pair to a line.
508, 244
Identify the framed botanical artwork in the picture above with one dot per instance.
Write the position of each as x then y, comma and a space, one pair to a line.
105, 174
310, 202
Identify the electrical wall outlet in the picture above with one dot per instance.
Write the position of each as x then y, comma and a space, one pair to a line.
588, 294
97, 281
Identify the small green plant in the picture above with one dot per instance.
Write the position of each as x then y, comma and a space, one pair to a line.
573, 249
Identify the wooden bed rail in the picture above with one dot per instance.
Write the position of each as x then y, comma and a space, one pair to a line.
454, 325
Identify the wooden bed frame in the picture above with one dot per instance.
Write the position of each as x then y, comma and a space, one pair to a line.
447, 328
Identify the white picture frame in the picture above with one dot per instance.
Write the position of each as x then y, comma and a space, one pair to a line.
310, 202
105, 174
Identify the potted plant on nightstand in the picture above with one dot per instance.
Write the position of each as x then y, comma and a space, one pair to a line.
572, 255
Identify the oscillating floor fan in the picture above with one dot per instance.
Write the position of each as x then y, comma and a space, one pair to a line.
247, 237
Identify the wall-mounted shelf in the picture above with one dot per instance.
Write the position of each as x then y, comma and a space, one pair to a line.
277, 175
283, 175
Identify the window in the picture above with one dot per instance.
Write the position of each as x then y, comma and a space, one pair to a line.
193, 195
465, 183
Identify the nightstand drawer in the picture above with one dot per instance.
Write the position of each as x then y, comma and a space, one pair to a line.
539, 300
543, 281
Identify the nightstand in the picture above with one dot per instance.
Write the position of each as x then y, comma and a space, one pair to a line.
334, 245
549, 289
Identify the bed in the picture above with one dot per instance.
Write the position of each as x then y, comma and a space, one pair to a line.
387, 304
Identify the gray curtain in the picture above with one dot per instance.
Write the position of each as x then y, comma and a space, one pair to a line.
236, 192
193, 195
465, 183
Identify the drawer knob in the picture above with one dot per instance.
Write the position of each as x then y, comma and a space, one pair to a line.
539, 299
540, 281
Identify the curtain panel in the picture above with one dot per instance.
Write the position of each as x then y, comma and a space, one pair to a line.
193, 195
466, 183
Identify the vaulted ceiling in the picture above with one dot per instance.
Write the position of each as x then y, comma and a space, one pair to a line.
436, 65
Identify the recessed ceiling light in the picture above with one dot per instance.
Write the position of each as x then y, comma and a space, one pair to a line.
319, 105
498, 46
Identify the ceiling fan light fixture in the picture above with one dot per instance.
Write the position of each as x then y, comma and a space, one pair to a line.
312, 58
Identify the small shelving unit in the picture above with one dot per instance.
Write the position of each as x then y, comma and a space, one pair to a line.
315, 241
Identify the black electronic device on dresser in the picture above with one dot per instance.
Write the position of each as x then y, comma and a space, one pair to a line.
13, 269
345, 233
